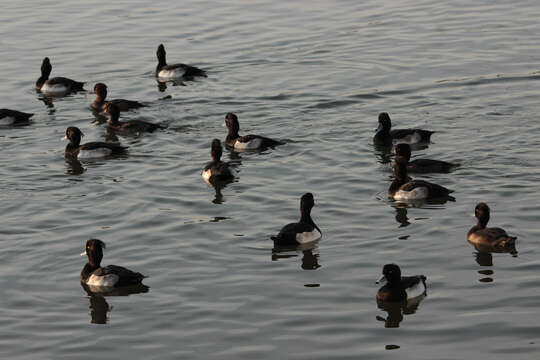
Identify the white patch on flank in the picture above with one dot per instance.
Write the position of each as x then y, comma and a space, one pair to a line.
206, 174
306, 237
250, 145
56, 89
107, 280
415, 194
7, 120
96, 153
409, 139
416, 290
171, 74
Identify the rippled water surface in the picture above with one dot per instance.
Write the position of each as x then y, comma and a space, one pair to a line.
315, 74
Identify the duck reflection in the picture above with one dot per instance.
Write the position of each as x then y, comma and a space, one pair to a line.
484, 257
74, 166
48, 101
99, 306
162, 84
396, 310
310, 254
401, 215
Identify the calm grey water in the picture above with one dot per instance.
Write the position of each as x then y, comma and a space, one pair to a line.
317, 74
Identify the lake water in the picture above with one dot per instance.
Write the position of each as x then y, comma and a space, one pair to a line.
315, 74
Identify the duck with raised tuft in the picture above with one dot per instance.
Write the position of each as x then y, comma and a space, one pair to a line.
385, 136
174, 71
301, 232
246, 142
89, 150
94, 275
56, 85
399, 288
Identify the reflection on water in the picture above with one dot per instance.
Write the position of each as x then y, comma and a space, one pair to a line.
396, 310
74, 167
401, 215
484, 257
99, 306
310, 254
162, 84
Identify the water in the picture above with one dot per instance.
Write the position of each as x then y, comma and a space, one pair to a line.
313, 73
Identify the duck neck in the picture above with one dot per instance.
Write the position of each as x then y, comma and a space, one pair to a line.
41, 80
87, 270
161, 62
233, 134
305, 216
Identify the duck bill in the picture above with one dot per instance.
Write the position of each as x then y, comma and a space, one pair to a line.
382, 280
379, 128
83, 253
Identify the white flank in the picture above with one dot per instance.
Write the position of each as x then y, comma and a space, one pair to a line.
416, 290
415, 194
250, 145
306, 237
409, 139
106, 281
54, 89
96, 153
171, 74
7, 120
206, 174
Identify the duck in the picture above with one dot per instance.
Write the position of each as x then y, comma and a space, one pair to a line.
89, 150
109, 276
56, 85
480, 234
100, 89
422, 165
399, 288
385, 136
246, 142
301, 232
175, 71
13, 117
217, 170
128, 126
403, 189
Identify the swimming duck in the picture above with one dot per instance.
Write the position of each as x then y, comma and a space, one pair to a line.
93, 274
216, 170
303, 231
128, 126
403, 189
422, 165
173, 71
399, 288
56, 85
385, 136
13, 117
100, 104
246, 142
89, 150
489, 236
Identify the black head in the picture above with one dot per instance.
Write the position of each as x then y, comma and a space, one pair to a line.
100, 89
74, 135
94, 251
392, 273
384, 122
231, 120
46, 67
161, 53
306, 203
216, 150
113, 111
481, 212
403, 150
